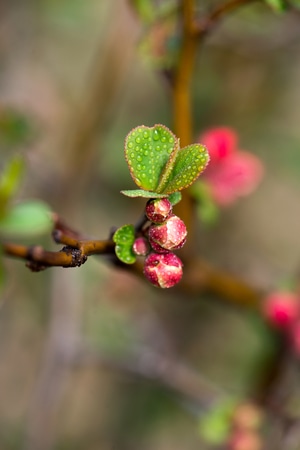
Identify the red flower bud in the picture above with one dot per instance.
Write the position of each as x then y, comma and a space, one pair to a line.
170, 235
158, 210
163, 270
141, 246
245, 440
281, 309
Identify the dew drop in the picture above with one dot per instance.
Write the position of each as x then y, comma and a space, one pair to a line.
145, 145
146, 152
171, 140
143, 167
130, 144
138, 140
139, 158
132, 155
158, 148
169, 150
143, 175
146, 134
139, 167
139, 130
151, 153
163, 139
156, 135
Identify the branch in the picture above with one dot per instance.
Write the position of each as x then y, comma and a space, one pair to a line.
75, 252
147, 363
201, 28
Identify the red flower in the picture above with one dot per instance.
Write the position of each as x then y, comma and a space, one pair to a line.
232, 173
281, 309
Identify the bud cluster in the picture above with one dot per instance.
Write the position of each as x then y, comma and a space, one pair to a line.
166, 233
282, 310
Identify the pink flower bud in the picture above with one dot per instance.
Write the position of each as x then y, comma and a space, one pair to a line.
281, 309
247, 416
141, 246
169, 235
245, 440
163, 270
158, 209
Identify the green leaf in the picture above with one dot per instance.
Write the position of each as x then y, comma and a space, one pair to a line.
175, 198
189, 164
216, 424
207, 210
26, 219
142, 193
145, 9
147, 152
124, 239
277, 5
10, 180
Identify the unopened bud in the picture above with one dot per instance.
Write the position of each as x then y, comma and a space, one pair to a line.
170, 235
163, 270
281, 309
141, 246
158, 210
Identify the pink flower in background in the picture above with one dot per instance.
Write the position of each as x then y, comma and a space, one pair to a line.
231, 173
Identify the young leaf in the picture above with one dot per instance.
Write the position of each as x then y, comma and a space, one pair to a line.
277, 5
214, 427
207, 210
124, 239
189, 164
26, 218
175, 198
147, 152
141, 193
10, 180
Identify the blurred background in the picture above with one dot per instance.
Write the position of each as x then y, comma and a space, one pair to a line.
75, 77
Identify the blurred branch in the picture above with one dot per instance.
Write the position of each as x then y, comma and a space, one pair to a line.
148, 363
193, 33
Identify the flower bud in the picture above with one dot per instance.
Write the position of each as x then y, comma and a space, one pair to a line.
247, 416
245, 440
163, 270
281, 309
158, 210
140, 246
170, 235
